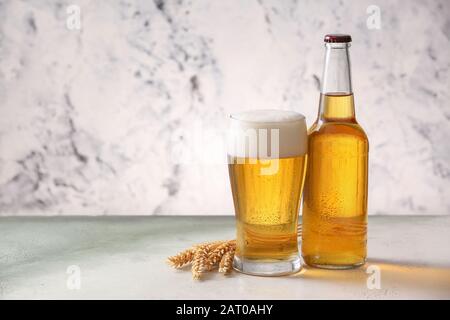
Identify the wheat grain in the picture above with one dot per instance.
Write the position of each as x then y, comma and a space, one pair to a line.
182, 259
226, 264
216, 255
201, 254
208, 255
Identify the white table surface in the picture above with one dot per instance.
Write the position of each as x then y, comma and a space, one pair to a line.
124, 258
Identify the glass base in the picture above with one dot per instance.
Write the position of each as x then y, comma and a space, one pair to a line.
318, 262
267, 268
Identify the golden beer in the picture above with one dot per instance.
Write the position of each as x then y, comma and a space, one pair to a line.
267, 208
267, 201
335, 198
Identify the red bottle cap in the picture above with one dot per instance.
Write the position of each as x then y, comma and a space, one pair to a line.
337, 38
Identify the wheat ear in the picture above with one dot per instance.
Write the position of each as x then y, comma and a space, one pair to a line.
183, 258
199, 263
216, 255
226, 264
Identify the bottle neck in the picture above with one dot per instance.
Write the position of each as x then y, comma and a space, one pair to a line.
336, 102
336, 73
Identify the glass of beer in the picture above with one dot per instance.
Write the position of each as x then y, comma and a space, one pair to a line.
266, 162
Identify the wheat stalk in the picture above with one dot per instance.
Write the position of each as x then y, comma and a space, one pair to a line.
198, 264
207, 256
200, 259
226, 264
181, 259
216, 255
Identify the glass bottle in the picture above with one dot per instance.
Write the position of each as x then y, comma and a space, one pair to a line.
335, 198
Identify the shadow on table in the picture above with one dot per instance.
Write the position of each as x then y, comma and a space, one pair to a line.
397, 273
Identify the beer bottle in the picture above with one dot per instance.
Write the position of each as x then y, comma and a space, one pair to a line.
335, 198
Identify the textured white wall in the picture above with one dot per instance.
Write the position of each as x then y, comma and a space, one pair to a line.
110, 119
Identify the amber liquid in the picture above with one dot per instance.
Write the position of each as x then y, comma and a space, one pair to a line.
335, 197
267, 207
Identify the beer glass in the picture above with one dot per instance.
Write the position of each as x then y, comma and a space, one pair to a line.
267, 161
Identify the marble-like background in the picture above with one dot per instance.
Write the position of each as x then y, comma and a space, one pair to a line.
112, 118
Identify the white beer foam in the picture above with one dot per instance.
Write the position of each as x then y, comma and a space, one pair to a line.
268, 116
267, 134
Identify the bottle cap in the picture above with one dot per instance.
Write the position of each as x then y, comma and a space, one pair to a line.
337, 38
